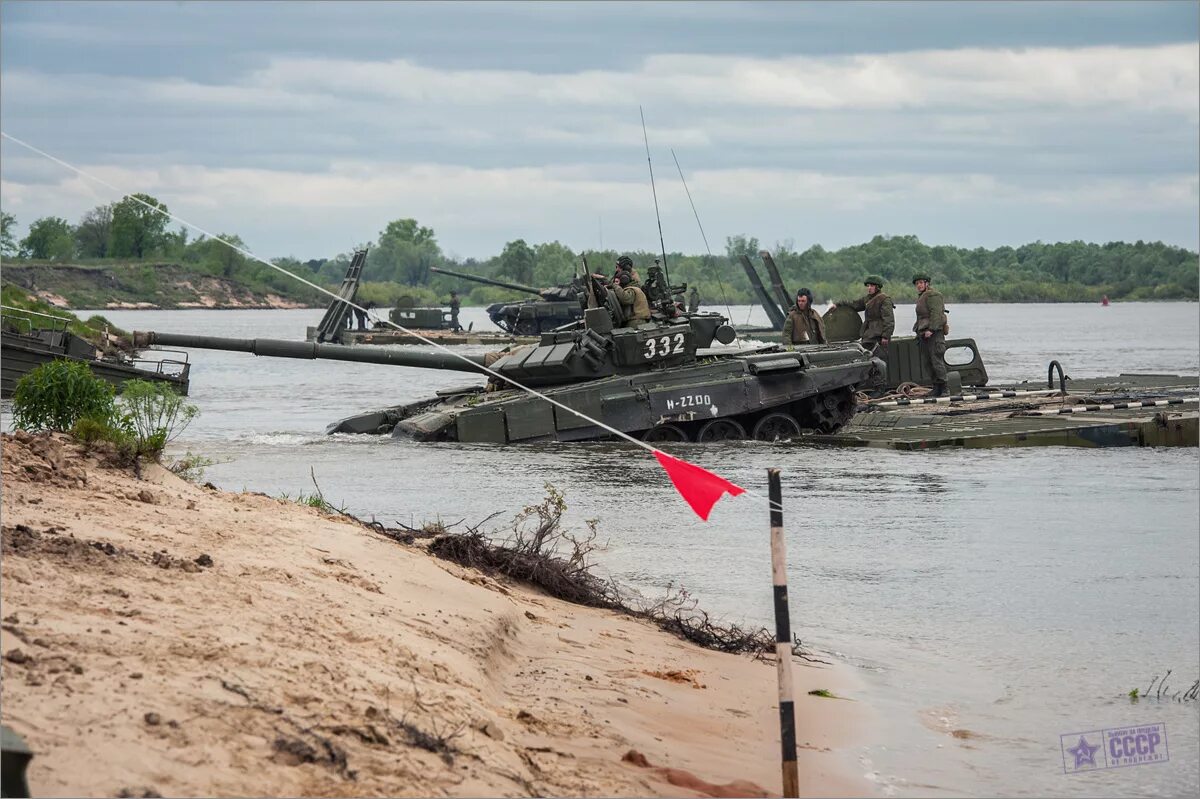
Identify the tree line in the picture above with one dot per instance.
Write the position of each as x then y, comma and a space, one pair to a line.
401, 256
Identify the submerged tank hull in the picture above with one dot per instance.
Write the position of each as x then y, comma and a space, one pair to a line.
765, 396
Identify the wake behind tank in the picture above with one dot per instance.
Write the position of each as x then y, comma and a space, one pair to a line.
662, 381
554, 307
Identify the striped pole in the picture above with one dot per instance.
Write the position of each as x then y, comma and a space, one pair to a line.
783, 640
962, 398
1112, 406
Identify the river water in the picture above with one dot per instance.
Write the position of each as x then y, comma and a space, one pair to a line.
1015, 594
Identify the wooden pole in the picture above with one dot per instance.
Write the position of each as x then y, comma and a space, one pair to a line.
783, 640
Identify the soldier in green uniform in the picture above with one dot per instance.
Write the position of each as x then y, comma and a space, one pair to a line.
803, 324
633, 300
931, 331
879, 321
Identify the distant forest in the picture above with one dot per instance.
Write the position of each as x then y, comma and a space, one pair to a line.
400, 258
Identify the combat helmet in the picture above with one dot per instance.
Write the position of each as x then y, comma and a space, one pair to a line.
922, 276
625, 262
875, 279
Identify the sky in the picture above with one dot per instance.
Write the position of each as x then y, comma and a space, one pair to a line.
305, 128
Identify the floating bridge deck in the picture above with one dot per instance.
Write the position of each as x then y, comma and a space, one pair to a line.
1127, 410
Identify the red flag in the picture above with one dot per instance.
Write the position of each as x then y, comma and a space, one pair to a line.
699, 487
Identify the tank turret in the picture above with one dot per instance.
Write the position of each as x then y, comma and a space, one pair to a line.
556, 306
663, 381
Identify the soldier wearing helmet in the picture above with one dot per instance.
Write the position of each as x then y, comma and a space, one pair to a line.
632, 298
803, 324
931, 329
625, 264
879, 321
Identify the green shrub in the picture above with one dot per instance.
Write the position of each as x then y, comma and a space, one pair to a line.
56, 395
156, 414
115, 432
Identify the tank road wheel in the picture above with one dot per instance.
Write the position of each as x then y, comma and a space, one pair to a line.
776, 427
665, 432
721, 430
828, 413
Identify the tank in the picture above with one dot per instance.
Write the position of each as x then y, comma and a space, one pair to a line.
556, 306
662, 381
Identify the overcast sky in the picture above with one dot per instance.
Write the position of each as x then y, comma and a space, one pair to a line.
306, 127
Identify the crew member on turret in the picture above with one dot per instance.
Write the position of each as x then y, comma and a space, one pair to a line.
803, 324
625, 264
633, 300
931, 331
693, 303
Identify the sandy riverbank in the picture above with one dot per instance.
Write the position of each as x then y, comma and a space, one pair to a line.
165, 638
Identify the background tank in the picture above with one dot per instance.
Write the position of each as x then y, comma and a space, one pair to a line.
659, 382
556, 306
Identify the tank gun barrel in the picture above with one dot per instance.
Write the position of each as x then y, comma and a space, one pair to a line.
487, 281
279, 348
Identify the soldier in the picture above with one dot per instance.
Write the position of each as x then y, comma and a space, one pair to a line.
930, 328
360, 314
803, 324
625, 264
632, 299
693, 300
455, 304
878, 320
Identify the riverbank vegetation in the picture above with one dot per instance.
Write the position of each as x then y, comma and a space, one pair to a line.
24, 311
130, 236
65, 397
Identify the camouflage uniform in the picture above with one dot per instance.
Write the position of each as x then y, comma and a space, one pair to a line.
455, 304
803, 327
931, 316
633, 302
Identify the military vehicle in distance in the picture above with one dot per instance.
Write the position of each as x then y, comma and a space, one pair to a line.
661, 381
407, 314
556, 306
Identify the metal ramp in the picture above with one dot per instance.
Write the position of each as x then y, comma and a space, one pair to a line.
334, 320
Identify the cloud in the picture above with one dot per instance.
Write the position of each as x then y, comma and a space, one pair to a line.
917, 138
1163, 76
1158, 77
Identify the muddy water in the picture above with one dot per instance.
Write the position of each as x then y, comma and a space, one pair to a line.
1014, 595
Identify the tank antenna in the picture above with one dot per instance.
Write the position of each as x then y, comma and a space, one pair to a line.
666, 272
720, 282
